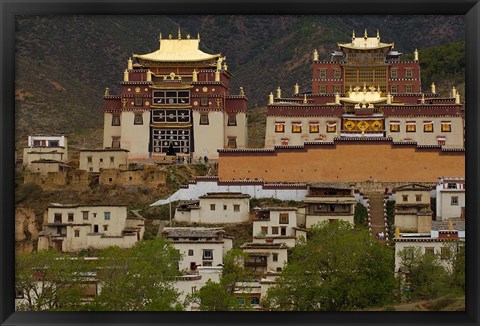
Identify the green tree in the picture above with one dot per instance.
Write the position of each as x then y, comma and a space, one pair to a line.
458, 268
234, 271
338, 268
138, 279
426, 277
215, 297
361, 215
220, 296
50, 280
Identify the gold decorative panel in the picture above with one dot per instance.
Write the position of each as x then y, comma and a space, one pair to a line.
373, 125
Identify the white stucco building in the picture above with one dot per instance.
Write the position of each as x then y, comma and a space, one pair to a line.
265, 257
443, 237
72, 228
277, 225
450, 193
328, 202
45, 148
198, 246
214, 208
94, 160
412, 208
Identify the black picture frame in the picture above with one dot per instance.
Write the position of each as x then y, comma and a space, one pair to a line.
10, 8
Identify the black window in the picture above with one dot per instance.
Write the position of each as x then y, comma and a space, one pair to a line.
138, 100
204, 119
115, 120
232, 119
138, 120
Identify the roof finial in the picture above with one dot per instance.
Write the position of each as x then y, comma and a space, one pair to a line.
433, 88
160, 37
279, 92
179, 34
188, 36
365, 35
378, 34
315, 55
415, 55
242, 93
305, 98
270, 98
198, 35
169, 36
353, 35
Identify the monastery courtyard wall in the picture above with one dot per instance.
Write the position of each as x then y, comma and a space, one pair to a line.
344, 161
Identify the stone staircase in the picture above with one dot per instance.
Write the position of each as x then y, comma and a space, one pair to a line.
376, 208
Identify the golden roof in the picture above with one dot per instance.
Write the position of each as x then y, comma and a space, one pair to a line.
365, 43
177, 50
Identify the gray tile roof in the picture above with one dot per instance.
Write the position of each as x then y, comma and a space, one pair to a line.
443, 225
188, 232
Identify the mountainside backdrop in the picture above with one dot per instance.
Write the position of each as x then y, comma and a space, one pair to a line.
64, 63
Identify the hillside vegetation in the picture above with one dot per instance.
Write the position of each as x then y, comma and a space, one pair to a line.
64, 63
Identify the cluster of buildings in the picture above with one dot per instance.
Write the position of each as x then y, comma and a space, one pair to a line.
365, 120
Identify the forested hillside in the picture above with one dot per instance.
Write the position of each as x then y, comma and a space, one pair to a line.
64, 63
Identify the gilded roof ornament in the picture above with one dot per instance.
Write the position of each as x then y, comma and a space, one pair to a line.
198, 36
315, 55
188, 36
366, 43
415, 55
160, 37
423, 98
434, 88
179, 34
194, 75
305, 98
241, 91
178, 50
107, 91
270, 98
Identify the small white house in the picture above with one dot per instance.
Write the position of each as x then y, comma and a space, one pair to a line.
199, 246
438, 241
265, 257
45, 148
72, 228
277, 225
450, 193
189, 284
94, 160
215, 208
412, 208
328, 202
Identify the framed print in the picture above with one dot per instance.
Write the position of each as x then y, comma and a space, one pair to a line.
189, 162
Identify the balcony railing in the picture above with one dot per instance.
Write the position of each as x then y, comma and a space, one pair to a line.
255, 264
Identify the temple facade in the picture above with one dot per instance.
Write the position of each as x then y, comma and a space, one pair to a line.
365, 90
175, 101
